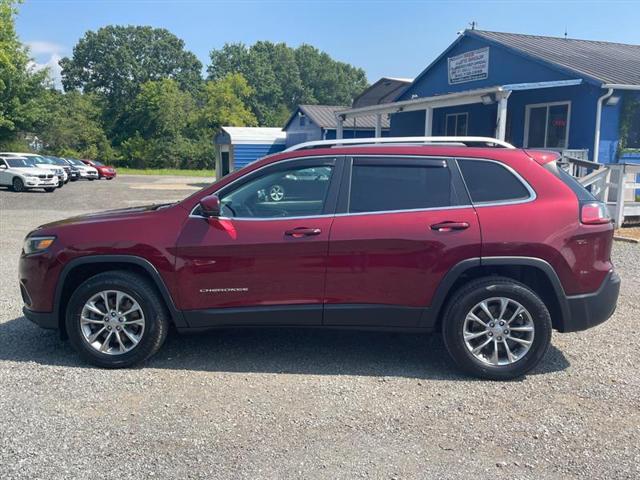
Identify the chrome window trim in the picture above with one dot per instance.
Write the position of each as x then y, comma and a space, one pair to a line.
532, 193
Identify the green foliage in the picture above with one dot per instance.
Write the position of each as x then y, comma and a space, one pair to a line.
135, 96
116, 60
629, 118
71, 126
166, 171
283, 77
20, 85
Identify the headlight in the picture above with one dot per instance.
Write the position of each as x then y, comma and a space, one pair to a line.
37, 244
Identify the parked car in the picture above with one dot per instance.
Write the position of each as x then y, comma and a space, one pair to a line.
494, 247
104, 171
20, 174
70, 174
42, 162
85, 171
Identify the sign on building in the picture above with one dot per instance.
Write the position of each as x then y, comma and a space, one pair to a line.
469, 66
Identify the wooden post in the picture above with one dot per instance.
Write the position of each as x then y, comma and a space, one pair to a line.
378, 125
339, 133
619, 208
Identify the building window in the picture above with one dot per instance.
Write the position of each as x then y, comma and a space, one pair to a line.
457, 124
546, 125
303, 120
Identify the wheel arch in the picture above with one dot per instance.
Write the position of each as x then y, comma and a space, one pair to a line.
80, 269
536, 273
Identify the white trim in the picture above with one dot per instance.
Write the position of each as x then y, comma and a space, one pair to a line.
527, 112
596, 135
459, 114
620, 86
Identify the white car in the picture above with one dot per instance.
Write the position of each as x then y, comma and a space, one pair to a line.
41, 162
86, 171
20, 174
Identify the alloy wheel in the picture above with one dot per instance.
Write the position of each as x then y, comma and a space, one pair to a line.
112, 322
498, 331
276, 193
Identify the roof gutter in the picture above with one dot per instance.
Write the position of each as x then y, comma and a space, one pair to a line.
596, 137
618, 86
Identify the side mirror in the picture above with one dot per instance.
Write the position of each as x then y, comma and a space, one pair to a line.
210, 206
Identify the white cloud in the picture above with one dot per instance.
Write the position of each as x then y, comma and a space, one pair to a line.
46, 56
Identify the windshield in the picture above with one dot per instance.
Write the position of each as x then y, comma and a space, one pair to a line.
19, 162
98, 163
75, 162
57, 161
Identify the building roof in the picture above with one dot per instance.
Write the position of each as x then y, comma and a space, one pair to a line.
255, 134
324, 116
606, 62
385, 90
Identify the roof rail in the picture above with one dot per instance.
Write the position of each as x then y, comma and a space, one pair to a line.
402, 141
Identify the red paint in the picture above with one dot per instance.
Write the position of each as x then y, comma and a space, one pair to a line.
104, 171
385, 258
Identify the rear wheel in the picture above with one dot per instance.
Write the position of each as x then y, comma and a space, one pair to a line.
116, 319
17, 184
497, 328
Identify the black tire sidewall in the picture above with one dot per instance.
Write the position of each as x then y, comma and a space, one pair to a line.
454, 321
155, 319
19, 182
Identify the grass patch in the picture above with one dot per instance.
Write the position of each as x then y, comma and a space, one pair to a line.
166, 171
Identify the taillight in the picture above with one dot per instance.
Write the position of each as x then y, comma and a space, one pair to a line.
594, 213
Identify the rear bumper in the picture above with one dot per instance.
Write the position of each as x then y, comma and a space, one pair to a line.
42, 319
588, 310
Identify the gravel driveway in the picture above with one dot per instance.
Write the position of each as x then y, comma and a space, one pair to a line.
304, 404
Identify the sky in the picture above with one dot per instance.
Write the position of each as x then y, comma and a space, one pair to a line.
386, 38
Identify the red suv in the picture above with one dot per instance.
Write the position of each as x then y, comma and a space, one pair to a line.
494, 247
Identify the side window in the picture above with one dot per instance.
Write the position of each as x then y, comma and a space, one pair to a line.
300, 191
491, 182
399, 185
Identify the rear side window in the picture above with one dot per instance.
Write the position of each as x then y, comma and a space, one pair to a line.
399, 185
582, 193
491, 182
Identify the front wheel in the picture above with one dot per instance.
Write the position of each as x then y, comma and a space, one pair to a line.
17, 184
60, 183
116, 319
496, 328
50, 189
276, 193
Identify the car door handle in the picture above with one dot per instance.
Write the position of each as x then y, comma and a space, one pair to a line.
303, 232
449, 226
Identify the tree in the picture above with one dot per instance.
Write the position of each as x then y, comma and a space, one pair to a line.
116, 60
20, 85
71, 126
223, 103
283, 77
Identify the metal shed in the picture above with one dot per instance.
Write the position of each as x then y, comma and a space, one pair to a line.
236, 147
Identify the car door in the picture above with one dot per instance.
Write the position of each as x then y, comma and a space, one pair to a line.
264, 260
402, 224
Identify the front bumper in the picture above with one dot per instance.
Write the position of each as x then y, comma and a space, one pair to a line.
588, 310
32, 182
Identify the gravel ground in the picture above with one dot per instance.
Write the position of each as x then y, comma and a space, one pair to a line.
304, 404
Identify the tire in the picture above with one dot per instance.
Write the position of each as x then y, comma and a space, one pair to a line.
91, 179
150, 304
60, 183
109, 178
17, 184
517, 360
50, 189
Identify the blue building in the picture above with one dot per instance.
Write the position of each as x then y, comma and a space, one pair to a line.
533, 91
318, 122
236, 147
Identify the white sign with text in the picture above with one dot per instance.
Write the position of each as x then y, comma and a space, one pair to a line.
469, 66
